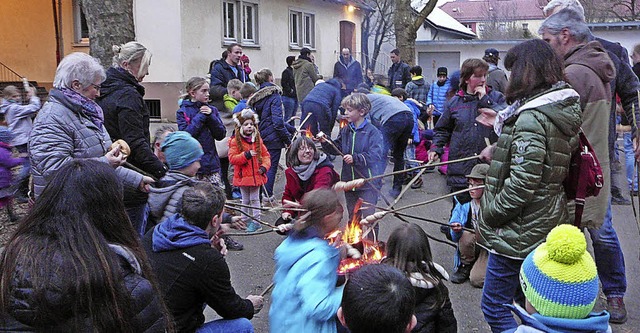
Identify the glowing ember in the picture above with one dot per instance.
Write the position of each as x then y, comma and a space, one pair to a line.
348, 265
343, 123
307, 132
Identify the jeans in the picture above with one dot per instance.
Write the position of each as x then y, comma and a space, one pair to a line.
396, 132
410, 154
629, 159
224, 172
271, 173
609, 258
290, 107
501, 286
240, 325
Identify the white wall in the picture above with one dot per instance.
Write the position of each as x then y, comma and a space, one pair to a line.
626, 38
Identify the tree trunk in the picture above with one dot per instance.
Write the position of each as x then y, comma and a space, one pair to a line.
110, 23
406, 25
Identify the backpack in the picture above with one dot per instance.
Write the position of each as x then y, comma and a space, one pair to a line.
585, 178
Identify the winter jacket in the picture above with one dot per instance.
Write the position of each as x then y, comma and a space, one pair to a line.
229, 103
242, 104
589, 70
418, 89
305, 297
636, 69
6, 163
365, 145
350, 73
437, 96
23, 311
204, 128
165, 197
221, 73
328, 95
596, 322
62, 132
458, 127
126, 117
247, 171
415, 132
524, 197
191, 273
288, 83
324, 176
432, 318
497, 79
267, 103
384, 107
398, 72
305, 77
20, 118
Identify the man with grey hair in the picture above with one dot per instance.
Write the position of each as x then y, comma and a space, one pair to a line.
589, 70
348, 70
187, 256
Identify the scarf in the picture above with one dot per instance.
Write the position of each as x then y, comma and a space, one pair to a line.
89, 107
305, 171
505, 114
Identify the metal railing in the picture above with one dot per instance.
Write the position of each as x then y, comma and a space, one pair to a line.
8, 75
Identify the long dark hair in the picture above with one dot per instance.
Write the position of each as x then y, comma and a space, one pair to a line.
62, 248
408, 250
534, 67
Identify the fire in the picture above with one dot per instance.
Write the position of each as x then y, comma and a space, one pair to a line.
343, 123
307, 132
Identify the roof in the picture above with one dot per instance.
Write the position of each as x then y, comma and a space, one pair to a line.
629, 25
481, 10
361, 4
441, 20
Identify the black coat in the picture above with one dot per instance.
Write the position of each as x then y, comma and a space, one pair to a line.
288, 83
127, 117
350, 73
399, 72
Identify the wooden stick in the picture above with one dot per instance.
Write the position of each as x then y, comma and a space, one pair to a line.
408, 186
423, 167
420, 218
264, 209
251, 217
268, 289
300, 126
138, 170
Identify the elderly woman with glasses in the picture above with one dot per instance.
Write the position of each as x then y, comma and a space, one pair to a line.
71, 125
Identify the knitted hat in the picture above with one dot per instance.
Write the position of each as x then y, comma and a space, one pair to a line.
559, 278
181, 150
442, 71
240, 117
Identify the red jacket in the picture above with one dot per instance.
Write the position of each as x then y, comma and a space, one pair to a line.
323, 177
246, 168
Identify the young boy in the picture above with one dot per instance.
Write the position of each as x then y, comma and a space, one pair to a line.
360, 143
418, 88
247, 90
559, 280
232, 96
471, 260
414, 140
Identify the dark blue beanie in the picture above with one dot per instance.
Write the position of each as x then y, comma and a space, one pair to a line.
181, 150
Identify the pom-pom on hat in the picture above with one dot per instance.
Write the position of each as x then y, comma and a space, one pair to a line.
181, 150
559, 278
240, 117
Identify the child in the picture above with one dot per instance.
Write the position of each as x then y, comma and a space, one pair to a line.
560, 283
418, 88
251, 161
410, 151
305, 297
203, 122
20, 120
232, 96
247, 90
6, 163
408, 250
361, 144
471, 260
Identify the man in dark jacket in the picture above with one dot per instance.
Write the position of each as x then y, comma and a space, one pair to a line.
398, 73
496, 78
348, 70
190, 267
289, 97
323, 102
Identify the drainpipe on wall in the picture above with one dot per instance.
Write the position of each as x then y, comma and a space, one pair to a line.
57, 27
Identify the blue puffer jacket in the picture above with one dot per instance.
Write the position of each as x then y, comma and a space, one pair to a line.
204, 128
438, 96
458, 127
328, 94
350, 73
267, 103
305, 297
415, 132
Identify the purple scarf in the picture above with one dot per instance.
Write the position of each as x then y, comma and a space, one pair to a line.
90, 108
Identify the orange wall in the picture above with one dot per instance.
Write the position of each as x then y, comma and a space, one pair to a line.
28, 43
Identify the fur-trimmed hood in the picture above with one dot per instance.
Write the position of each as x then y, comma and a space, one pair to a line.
264, 92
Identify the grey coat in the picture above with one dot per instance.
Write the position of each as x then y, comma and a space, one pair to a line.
165, 199
62, 132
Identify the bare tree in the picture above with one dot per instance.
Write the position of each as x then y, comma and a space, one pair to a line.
611, 11
110, 23
406, 22
501, 22
376, 24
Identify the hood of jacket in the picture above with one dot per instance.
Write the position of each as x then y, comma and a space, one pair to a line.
334, 82
176, 233
5, 106
300, 244
347, 64
266, 89
591, 55
418, 80
299, 62
116, 79
159, 196
595, 322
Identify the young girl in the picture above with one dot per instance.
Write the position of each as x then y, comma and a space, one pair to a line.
305, 297
203, 122
408, 249
6, 176
251, 160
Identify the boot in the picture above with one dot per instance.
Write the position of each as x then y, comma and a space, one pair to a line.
617, 310
232, 245
461, 274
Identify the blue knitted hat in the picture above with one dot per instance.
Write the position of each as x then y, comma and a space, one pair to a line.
559, 278
181, 150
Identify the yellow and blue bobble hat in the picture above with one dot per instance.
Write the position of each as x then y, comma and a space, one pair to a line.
559, 278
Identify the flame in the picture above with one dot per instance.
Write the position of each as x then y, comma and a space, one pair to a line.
343, 123
348, 265
307, 132
353, 233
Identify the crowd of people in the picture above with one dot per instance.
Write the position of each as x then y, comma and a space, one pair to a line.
158, 257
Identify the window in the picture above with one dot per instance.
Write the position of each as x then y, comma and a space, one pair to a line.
525, 26
240, 22
302, 29
80, 27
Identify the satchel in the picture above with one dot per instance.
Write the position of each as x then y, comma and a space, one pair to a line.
585, 178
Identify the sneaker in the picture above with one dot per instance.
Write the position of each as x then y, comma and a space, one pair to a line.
620, 200
417, 184
461, 274
235, 193
232, 245
268, 200
253, 226
617, 310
